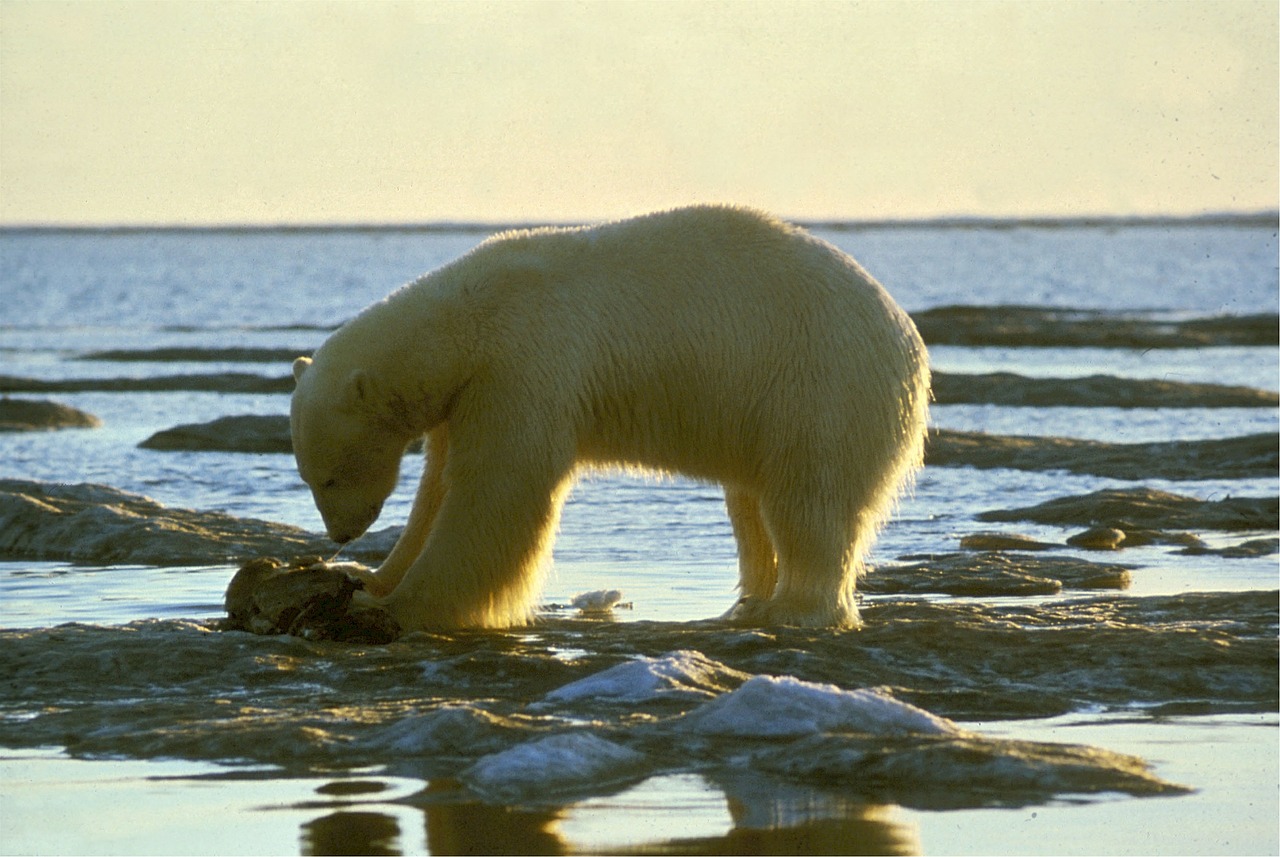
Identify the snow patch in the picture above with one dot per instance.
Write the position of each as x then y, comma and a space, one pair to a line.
786, 707
556, 764
598, 601
454, 730
680, 674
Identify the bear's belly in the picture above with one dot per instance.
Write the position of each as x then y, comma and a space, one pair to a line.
708, 444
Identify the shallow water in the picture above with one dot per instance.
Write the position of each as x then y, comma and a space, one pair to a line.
140, 729
182, 807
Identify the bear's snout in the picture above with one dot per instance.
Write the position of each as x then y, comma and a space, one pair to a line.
343, 528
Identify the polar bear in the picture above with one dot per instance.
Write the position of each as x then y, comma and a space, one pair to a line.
710, 341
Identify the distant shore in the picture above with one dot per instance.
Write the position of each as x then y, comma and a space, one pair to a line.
1220, 218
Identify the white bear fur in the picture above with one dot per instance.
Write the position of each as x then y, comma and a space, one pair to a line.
710, 341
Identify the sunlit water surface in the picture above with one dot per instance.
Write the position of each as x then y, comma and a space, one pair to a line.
665, 543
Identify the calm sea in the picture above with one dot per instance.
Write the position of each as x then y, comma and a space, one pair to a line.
666, 544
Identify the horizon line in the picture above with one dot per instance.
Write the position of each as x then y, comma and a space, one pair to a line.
1255, 217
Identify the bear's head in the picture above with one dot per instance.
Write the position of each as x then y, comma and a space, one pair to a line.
345, 454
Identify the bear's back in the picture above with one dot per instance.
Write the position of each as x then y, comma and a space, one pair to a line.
718, 269
702, 292
697, 334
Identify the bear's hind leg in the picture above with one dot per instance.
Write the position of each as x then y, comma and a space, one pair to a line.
817, 567
757, 562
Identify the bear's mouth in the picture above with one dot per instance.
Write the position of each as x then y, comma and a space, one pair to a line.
348, 532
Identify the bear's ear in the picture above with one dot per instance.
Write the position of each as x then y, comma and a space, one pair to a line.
299, 366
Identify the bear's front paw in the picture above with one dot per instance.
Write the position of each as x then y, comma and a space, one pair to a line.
372, 586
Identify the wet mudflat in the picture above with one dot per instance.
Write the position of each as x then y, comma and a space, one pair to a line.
506, 741
631, 700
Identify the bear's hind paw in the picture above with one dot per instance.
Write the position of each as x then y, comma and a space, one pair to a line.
753, 611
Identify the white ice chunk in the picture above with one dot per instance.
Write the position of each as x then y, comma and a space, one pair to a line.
599, 601
684, 674
450, 730
555, 764
769, 707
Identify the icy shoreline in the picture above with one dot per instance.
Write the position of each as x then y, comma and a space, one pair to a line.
504, 712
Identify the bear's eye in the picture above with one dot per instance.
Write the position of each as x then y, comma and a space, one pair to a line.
329, 483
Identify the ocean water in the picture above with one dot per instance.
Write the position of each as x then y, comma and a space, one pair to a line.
139, 730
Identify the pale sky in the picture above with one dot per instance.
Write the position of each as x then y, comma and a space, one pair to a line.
215, 112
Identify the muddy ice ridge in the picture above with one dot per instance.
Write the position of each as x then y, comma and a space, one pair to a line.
101, 525
786, 707
879, 712
683, 674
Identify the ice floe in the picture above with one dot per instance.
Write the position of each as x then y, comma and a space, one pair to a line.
684, 674
781, 707
597, 601
553, 765
453, 730
960, 770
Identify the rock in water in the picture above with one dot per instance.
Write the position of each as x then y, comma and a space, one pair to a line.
1098, 539
1016, 326
1003, 542
1094, 391
1131, 509
32, 415
1245, 457
993, 574
228, 434
306, 598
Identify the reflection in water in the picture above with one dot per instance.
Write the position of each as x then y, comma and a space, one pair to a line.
834, 836
772, 817
351, 833
768, 817
477, 828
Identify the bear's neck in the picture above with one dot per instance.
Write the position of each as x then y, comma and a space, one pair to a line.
407, 347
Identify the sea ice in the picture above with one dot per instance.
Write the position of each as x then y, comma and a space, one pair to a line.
597, 601
680, 674
459, 730
553, 765
785, 707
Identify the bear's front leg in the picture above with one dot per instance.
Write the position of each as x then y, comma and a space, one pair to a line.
426, 505
482, 560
